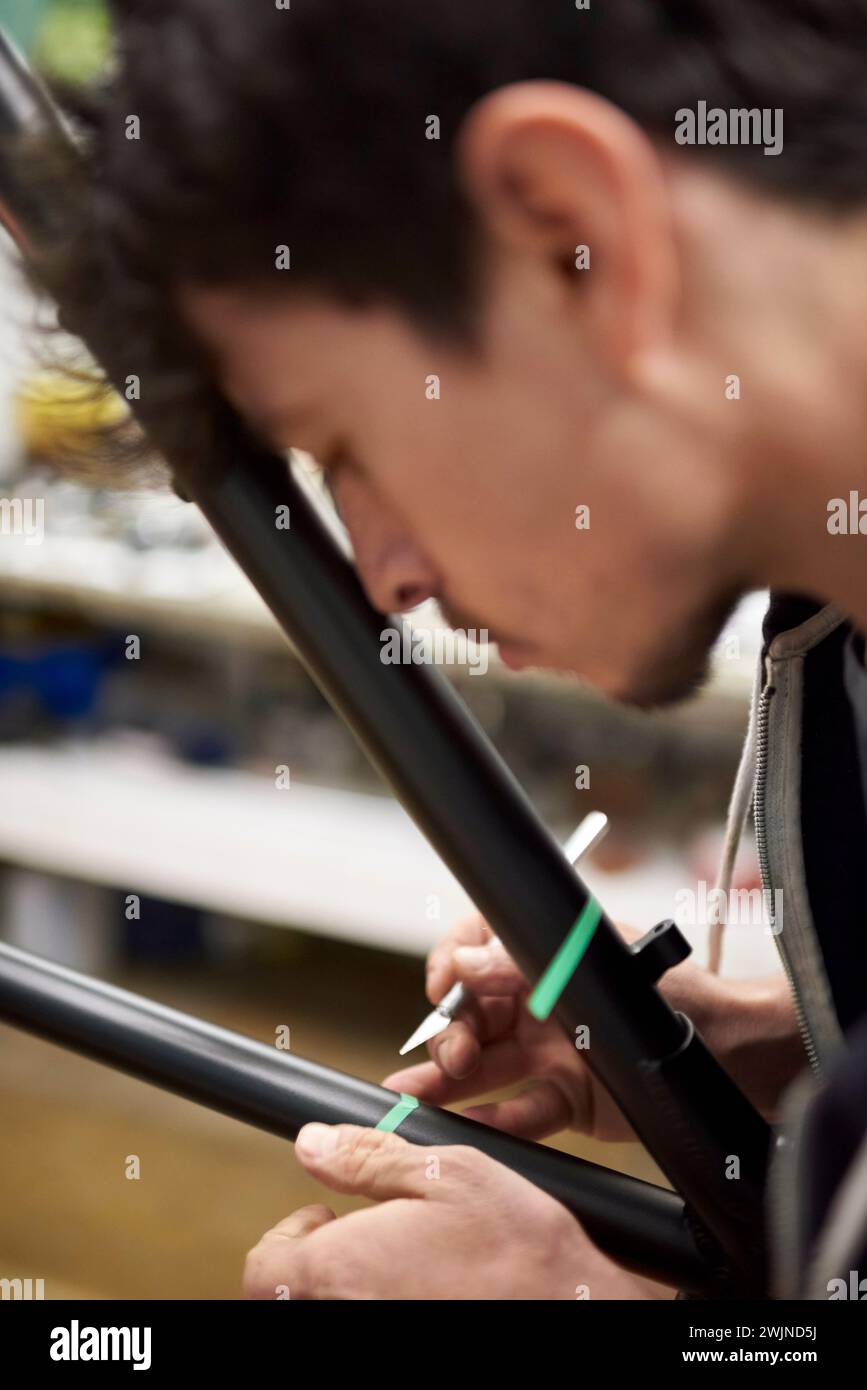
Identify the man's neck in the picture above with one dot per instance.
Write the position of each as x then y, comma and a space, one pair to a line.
812, 496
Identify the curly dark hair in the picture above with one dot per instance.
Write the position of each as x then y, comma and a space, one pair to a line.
261, 126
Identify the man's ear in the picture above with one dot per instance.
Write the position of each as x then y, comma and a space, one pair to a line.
550, 169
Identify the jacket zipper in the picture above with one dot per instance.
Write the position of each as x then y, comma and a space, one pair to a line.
762, 722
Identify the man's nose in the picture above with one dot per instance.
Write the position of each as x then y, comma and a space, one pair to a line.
391, 565
394, 576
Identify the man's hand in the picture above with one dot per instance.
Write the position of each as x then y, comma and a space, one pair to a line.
495, 1042
450, 1223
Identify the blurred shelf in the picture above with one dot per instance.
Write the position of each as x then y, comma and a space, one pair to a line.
337, 863
201, 593
340, 863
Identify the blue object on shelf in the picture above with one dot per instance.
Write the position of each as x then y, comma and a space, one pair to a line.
65, 677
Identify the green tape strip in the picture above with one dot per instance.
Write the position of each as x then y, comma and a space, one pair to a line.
566, 962
398, 1113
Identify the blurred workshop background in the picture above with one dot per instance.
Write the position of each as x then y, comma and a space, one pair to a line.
146, 703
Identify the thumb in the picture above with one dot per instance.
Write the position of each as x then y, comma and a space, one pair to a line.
369, 1162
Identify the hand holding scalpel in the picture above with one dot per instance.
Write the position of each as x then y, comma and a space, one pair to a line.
588, 834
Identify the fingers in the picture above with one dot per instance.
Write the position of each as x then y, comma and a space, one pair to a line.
472, 931
408, 1247
488, 969
457, 1050
484, 966
301, 1222
426, 1082
500, 1064
470, 954
538, 1111
267, 1263
368, 1162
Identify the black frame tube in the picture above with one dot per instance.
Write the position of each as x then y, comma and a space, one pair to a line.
642, 1226
681, 1102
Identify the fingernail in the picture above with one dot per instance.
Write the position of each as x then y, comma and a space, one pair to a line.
296, 1225
317, 1140
447, 1055
443, 1051
475, 957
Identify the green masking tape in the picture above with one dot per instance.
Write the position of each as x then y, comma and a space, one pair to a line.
566, 962
398, 1113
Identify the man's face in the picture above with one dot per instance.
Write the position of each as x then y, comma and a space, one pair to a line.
512, 482
574, 481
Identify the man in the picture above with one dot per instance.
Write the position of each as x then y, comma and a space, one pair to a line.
492, 265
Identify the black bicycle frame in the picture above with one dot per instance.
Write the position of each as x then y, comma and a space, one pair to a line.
703, 1132
640, 1225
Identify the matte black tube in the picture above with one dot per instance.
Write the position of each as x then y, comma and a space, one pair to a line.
683, 1105
640, 1225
